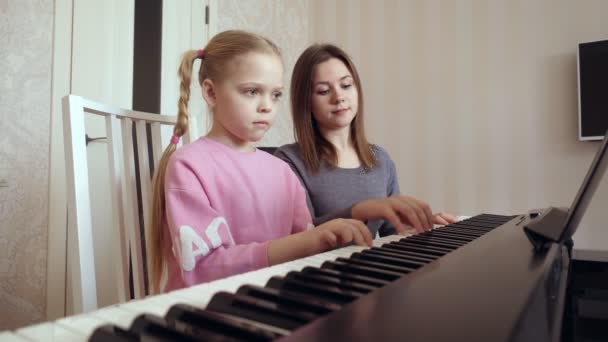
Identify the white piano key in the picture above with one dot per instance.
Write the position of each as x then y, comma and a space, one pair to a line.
155, 305
259, 277
83, 324
50, 332
199, 295
8, 336
115, 315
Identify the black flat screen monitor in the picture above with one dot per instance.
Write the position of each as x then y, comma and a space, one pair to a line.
592, 90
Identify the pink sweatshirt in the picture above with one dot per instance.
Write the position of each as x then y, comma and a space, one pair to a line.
223, 207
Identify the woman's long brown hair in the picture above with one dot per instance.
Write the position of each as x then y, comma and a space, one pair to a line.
220, 50
313, 146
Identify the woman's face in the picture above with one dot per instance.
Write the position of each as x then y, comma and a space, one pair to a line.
334, 95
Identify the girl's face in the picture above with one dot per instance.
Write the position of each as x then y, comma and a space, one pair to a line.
244, 103
334, 95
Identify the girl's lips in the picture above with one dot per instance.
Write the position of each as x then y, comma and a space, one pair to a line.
261, 123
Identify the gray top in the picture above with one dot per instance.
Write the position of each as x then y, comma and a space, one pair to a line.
332, 192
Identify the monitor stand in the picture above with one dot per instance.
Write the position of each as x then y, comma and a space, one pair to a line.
546, 226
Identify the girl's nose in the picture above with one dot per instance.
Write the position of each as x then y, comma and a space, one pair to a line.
265, 106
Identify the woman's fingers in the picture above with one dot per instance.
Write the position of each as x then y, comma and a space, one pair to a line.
392, 217
422, 210
437, 219
428, 213
450, 218
408, 214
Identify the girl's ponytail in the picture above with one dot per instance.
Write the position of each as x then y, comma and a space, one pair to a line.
157, 235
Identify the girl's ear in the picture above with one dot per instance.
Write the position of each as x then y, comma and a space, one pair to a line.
209, 93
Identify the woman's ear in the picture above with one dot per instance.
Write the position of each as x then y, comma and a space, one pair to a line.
208, 90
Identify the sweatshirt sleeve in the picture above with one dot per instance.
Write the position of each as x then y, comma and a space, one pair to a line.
201, 238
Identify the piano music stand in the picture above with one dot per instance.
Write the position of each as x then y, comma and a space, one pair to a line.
559, 224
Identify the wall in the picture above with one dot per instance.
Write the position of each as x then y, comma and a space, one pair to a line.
25, 98
475, 100
287, 24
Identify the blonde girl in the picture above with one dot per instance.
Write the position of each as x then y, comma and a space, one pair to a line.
221, 206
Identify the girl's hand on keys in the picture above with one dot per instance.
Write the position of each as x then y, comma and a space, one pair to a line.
341, 232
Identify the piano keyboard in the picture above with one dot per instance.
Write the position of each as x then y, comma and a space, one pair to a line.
268, 303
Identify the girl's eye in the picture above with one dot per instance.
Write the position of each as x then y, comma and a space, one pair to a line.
277, 95
323, 92
346, 86
251, 92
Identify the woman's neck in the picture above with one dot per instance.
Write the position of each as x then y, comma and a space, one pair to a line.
223, 136
340, 139
345, 149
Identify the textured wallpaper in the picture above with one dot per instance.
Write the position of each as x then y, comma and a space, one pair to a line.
287, 24
26, 28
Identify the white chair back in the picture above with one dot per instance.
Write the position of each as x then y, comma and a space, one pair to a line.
129, 248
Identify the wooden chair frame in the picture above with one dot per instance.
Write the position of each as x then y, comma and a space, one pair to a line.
126, 220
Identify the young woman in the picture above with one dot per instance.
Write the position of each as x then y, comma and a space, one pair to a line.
344, 175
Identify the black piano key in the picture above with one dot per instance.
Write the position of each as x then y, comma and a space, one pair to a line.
431, 236
425, 244
259, 310
443, 233
492, 217
495, 218
345, 276
452, 235
461, 232
288, 298
388, 260
112, 333
323, 292
153, 328
470, 228
215, 325
427, 247
378, 265
396, 254
415, 248
388, 248
485, 223
437, 241
474, 226
323, 280
455, 239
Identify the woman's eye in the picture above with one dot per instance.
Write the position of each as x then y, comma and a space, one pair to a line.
277, 95
251, 92
322, 92
346, 86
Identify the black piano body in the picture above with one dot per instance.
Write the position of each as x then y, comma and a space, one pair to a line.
496, 288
